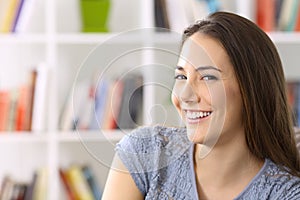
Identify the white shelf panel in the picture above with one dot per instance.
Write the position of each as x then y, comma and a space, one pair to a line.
141, 36
23, 38
23, 137
91, 136
96, 38
285, 37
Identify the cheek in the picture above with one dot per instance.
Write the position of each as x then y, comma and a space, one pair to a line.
234, 101
217, 95
175, 97
176, 102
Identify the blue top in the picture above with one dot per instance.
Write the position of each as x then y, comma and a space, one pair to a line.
160, 161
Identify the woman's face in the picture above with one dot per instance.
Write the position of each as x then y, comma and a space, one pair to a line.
206, 93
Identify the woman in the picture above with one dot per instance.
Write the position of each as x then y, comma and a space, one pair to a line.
238, 142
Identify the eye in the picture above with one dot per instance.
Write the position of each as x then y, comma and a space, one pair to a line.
180, 77
208, 78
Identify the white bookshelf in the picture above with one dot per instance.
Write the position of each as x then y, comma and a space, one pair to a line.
56, 40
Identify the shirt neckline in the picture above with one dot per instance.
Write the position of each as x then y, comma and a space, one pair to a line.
193, 175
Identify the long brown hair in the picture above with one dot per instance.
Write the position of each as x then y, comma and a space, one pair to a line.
267, 118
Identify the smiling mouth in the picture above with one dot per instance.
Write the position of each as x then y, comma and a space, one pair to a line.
194, 115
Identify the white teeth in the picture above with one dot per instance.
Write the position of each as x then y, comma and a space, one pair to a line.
195, 115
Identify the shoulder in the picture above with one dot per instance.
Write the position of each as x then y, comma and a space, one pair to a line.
274, 182
147, 138
150, 154
151, 144
286, 186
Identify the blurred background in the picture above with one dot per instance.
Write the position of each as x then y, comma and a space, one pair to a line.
77, 75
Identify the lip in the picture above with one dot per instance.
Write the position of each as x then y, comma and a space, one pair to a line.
196, 120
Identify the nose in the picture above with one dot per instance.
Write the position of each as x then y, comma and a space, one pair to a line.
188, 94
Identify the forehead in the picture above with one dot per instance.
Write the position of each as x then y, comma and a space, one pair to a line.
201, 49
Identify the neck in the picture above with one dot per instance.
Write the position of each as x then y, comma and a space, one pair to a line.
229, 165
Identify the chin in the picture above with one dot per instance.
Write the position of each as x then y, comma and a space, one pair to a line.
195, 137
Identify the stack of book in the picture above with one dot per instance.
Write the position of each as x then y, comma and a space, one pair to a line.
15, 15
80, 183
270, 15
107, 104
24, 108
36, 189
278, 15
176, 15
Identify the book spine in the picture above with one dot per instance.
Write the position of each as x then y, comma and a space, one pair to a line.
67, 184
79, 184
9, 17
40, 99
21, 109
17, 16
4, 108
297, 23
25, 17
90, 178
265, 14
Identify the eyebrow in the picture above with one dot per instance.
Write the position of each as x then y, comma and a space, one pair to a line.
201, 68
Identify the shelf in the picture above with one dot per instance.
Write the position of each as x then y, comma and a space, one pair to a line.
23, 137
285, 37
136, 36
97, 38
91, 136
22, 38
122, 38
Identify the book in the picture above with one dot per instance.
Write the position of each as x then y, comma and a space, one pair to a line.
116, 98
131, 106
82, 104
92, 182
85, 110
9, 17
4, 109
32, 85
39, 111
26, 16
22, 191
40, 186
100, 99
161, 15
14, 95
78, 183
4, 5
66, 115
108, 107
297, 20
15, 191
67, 184
17, 15
21, 109
265, 14
7, 187
278, 7
285, 14
30, 189
293, 16
74, 107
